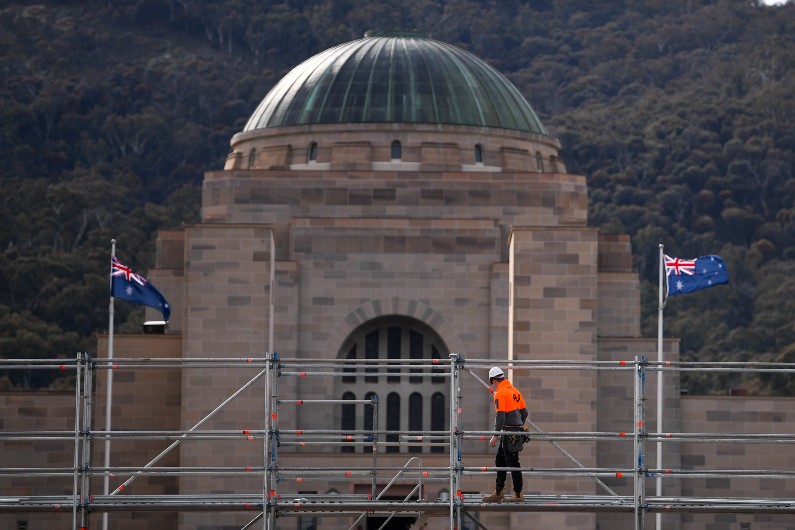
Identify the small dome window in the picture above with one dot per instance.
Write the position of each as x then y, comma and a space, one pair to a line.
397, 150
539, 162
251, 156
478, 154
311, 155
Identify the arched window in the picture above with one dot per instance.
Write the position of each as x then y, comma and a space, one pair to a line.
393, 351
478, 154
348, 419
539, 162
415, 418
371, 353
385, 344
368, 419
415, 353
251, 156
392, 421
397, 150
436, 378
311, 154
438, 422
350, 368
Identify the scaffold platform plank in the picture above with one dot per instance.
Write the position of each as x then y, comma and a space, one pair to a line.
298, 505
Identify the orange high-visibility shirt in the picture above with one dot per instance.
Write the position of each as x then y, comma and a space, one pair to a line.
508, 400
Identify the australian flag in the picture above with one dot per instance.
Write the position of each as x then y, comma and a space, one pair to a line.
689, 275
127, 285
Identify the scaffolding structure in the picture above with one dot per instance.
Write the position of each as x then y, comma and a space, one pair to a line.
267, 503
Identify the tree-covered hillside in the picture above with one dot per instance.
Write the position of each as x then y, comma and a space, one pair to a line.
679, 113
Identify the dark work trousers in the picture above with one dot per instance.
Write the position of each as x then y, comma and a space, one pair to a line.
508, 459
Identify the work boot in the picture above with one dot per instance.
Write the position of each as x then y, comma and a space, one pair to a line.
516, 497
497, 496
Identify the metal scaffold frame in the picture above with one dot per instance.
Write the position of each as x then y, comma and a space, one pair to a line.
455, 507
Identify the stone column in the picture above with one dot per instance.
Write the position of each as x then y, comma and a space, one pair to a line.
553, 279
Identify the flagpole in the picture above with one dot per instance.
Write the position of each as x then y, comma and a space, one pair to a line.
109, 390
660, 306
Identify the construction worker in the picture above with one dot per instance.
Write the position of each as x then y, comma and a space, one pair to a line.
511, 415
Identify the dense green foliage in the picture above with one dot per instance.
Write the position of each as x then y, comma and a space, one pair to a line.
678, 112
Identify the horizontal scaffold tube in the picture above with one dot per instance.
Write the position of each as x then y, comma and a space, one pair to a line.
286, 373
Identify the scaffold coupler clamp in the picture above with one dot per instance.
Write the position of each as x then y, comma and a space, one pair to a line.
274, 434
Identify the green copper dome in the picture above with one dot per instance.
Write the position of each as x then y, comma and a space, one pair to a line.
395, 77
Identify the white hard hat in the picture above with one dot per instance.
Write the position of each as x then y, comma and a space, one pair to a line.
496, 371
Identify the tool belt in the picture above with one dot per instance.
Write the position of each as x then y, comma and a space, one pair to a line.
514, 442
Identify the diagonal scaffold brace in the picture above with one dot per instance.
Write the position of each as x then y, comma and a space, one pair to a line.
555, 444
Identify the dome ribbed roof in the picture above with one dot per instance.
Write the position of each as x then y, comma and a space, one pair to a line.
395, 78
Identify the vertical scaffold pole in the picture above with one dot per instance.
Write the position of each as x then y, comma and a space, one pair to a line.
78, 393
375, 447
271, 414
88, 402
639, 441
455, 454
265, 446
459, 434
